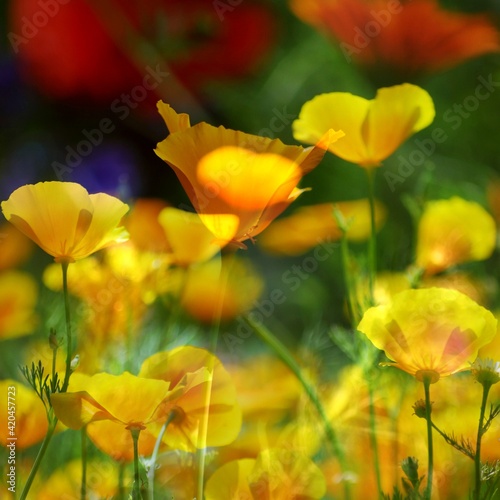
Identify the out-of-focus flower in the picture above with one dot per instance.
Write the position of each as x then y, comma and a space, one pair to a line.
15, 247
454, 231
65, 482
412, 37
431, 332
64, 220
374, 128
176, 474
220, 288
111, 406
18, 299
472, 286
238, 183
143, 226
200, 387
189, 240
30, 424
65, 62
276, 474
309, 226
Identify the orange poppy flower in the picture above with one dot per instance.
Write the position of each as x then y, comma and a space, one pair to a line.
310, 226
15, 247
374, 128
454, 231
64, 220
238, 183
429, 331
219, 289
413, 37
276, 474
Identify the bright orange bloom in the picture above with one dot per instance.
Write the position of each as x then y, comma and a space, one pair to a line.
374, 128
220, 289
454, 231
200, 386
238, 183
430, 331
30, 424
15, 248
18, 298
276, 474
310, 226
64, 220
413, 37
144, 229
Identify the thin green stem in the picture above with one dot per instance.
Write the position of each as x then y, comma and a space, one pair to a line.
346, 265
283, 353
69, 345
136, 488
430, 460
372, 248
154, 456
39, 458
480, 432
373, 438
83, 488
452, 442
121, 481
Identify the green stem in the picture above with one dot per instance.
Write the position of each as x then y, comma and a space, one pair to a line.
83, 488
452, 442
69, 346
430, 461
373, 439
372, 248
154, 456
346, 265
121, 481
39, 458
288, 359
136, 488
480, 432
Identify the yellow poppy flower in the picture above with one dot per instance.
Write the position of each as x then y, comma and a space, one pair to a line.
18, 298
194, 374
110, 406
309, 226
276, 474
219, 289
374, 128
64, 220
30, 423
454, 231
189, 239
429, 331
238, 183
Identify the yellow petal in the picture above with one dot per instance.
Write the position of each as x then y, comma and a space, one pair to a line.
174, 121
189, 238
230, 481
374, 129
395, 114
